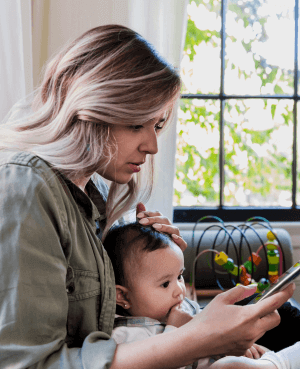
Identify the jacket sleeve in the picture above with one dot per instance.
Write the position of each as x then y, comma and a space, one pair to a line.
33, 297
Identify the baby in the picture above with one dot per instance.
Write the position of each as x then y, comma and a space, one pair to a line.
150, 289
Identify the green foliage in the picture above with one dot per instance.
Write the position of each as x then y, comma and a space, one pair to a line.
254, 161
194, 37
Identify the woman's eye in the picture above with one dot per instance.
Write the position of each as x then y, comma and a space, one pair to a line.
166, 284
136, 128
158, 128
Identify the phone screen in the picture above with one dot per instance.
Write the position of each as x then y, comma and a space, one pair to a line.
283, 281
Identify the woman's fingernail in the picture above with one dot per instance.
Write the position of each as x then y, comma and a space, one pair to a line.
144, 221
175, 236
140, 215
157, 226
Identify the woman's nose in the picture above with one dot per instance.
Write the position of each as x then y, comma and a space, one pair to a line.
149, 144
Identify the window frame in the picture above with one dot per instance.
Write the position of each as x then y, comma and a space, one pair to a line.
184, 214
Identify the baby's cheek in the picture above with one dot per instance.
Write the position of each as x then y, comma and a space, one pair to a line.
183, 289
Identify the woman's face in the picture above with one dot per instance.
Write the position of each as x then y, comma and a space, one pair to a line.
133, 144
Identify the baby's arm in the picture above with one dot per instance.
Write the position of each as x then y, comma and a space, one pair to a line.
234, 362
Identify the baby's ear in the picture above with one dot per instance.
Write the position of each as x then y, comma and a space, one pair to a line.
121, 296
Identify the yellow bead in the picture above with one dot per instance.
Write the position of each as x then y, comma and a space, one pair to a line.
271, 236
221, 259
273, 273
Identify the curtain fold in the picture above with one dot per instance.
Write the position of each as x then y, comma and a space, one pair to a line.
163, 23
15, 53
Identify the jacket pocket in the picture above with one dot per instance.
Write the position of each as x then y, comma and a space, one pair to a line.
82, 284
84, 291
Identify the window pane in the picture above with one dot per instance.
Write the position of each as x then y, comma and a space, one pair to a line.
259, 48
258, 138
200, 67
197, 159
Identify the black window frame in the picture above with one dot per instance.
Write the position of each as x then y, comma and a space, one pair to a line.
184, 214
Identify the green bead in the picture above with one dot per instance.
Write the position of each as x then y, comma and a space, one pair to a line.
273, 267
229, 265
263, 284
248, 266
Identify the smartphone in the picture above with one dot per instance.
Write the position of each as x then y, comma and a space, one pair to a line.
283, 281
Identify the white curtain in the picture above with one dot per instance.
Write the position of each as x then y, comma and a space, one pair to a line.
15, 53
163, 23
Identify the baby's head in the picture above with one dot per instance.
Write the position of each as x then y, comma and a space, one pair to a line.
148, 268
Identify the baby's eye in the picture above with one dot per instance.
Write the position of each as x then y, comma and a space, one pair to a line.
180, 277
166, 284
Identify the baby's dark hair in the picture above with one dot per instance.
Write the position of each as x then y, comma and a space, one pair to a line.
124, 243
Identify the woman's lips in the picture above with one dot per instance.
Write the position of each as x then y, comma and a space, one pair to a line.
134, 167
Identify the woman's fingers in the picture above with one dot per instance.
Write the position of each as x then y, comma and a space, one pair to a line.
160, 223
272, 303
241, 325
140, 207
179, 241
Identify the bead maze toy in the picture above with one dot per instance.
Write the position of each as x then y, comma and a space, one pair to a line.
238, 271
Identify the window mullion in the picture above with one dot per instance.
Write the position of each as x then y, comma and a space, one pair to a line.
294, 165
222, 104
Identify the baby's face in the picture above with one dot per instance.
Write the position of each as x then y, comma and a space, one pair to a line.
159, 284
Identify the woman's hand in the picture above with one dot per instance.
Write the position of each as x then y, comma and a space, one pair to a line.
160, 223
233, 329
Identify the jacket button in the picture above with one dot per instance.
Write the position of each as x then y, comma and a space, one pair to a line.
70, 288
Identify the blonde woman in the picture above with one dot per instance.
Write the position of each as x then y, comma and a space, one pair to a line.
103, 102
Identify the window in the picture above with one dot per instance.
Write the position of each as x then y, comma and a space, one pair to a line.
237, 121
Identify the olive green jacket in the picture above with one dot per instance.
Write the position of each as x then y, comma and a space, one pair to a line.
57, 291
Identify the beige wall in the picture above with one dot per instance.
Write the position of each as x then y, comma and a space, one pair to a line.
55, 22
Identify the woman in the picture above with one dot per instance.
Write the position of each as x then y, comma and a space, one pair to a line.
98, 112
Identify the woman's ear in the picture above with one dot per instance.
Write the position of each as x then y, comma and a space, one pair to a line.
122, 296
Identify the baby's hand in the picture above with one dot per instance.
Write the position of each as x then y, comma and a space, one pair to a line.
178, 317
233, 362
256, 351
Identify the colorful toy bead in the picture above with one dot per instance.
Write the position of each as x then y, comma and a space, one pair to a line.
271, 236
273, 267
245, 278
273, 273
229, 265
248, 266
262, 285
256, 258
235, 270
221, 259
273, 278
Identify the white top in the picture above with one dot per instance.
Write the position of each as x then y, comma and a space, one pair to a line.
288, 358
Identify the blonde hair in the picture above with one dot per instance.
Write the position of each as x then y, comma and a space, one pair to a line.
109, 75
